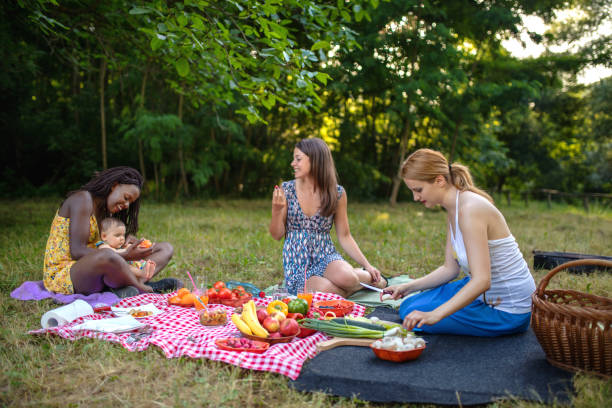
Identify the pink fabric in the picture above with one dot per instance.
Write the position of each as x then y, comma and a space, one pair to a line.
178, 332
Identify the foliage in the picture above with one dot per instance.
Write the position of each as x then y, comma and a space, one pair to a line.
207, 98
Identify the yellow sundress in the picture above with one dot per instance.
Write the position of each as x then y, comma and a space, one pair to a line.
58, 261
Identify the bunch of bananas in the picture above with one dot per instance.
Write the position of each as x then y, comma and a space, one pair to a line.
247, 322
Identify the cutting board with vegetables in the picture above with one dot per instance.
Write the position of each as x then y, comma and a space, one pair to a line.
346, 341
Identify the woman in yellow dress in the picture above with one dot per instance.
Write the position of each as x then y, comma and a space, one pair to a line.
72, 262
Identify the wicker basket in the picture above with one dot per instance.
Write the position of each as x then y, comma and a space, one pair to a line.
574, 328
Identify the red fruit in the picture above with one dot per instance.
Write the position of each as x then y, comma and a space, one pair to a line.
261, 315
289, 327
271, 325
262, 294
274, 335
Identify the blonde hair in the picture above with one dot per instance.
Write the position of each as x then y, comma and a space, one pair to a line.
427, 164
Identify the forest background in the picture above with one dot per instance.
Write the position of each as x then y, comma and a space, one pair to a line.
207, 98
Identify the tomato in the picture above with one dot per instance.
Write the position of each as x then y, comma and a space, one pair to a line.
212, 293
225, 293
219, 285
234, 296
240, 288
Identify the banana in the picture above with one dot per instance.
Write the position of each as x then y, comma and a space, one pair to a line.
242, 326
250, 318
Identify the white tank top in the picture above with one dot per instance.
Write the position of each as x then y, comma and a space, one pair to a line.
511, 282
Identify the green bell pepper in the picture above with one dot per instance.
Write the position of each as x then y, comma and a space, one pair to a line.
298, 306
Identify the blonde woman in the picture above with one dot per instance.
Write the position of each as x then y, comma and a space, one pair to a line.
495, 296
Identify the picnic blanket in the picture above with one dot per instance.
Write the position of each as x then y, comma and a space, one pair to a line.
35, 290
178, 332
453, 370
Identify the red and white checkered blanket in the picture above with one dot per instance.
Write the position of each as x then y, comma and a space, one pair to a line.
178, 332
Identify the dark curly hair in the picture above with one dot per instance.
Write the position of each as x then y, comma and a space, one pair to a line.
100, 186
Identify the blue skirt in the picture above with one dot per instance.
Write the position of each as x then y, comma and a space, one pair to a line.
476, 319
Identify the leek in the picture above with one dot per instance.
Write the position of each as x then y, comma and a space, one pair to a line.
337, 329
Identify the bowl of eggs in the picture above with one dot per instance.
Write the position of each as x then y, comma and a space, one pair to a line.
398, 349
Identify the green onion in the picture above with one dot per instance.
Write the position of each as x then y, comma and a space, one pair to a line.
337, 329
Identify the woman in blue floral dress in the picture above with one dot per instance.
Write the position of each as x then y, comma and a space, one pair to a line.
303, 211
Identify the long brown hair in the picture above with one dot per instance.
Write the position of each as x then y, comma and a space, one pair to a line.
323, 170
100, 187
427, 164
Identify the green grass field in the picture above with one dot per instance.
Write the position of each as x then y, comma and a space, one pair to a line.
229, 240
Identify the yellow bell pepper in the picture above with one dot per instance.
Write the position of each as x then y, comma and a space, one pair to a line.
278, 306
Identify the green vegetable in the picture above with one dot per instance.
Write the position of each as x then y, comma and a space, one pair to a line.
298, 306
354, 322
337, 329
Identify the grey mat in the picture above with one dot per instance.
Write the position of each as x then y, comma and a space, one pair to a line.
453, 370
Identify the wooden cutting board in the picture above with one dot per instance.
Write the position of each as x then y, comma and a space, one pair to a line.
342, 341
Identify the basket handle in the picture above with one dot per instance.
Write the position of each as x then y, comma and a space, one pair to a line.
595, 262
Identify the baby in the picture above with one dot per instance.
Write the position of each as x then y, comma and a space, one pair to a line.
112, 232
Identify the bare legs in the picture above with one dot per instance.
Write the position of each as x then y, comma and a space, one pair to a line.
341, 278
100, 268
162, 253
104, 267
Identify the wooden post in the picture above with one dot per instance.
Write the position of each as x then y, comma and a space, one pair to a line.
585, 202
549, 200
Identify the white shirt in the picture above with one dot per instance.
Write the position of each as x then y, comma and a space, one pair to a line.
511, 281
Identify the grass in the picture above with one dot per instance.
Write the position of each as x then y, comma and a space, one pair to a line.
229, 240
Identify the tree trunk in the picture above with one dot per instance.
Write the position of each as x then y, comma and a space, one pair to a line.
157, 187
215, 175
75, 93
397, 179
183, 181
103, 113
143, 88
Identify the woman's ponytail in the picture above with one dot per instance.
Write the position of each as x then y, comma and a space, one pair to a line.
461, 178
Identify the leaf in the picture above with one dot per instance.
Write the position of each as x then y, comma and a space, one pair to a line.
301, 83
319, 45
182, 20
139, 10
156, 43
182, 67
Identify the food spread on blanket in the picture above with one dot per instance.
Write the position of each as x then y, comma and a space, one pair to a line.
221, 294
185, 298
240, 344
272, 322
213, 317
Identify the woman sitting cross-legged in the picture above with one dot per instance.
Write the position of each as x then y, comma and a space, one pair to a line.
73, 265
495, 296
303, 211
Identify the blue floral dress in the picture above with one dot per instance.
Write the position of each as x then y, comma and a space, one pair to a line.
308, 247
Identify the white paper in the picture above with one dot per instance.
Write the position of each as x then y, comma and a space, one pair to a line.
65, 314
112, 325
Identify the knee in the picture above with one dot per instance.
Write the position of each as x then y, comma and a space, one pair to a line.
345, 277
108, 258
164, 248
